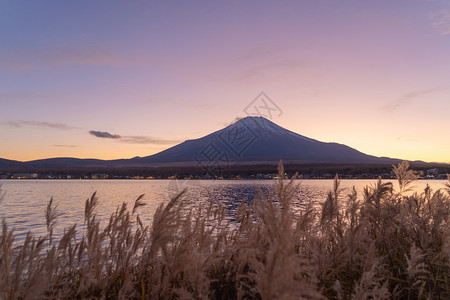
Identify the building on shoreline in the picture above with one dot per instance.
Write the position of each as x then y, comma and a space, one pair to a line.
25, 176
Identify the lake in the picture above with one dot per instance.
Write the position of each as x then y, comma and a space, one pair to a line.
25, 201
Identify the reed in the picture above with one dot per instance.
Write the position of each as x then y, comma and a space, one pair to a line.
381, 244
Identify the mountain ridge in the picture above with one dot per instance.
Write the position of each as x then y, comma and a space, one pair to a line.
258, 139
250, 140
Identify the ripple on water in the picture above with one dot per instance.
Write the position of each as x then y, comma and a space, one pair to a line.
26, 200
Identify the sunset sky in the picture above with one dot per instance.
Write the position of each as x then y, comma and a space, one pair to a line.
110, 79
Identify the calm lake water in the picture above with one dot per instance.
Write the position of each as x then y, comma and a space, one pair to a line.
25, 201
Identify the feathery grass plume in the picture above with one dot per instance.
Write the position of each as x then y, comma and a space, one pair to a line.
51, 214
448, 184
335, 243
138, 203
404, 175
159, 265
2, 194
279, 271
6, 257
446, 246
330, 208
370, 285
417, 273
90, 205
338, 289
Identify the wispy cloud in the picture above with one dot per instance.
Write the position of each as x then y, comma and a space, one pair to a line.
104, 134
441, 21
408, 140
41, 124
66, 146
133, 139
82, 55
12, 65
88, 55
263, 60
274, 67
407, 99
147, 140
260, 53
21, 95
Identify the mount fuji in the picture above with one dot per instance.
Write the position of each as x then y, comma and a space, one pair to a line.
248, 141
258, 140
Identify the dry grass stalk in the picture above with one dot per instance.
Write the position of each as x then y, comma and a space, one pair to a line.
380, 244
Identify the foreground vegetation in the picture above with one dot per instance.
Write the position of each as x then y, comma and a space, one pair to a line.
384, 243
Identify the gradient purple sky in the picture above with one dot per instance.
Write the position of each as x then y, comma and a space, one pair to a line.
374, 75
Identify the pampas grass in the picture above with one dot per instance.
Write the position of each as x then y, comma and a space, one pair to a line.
380, 244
